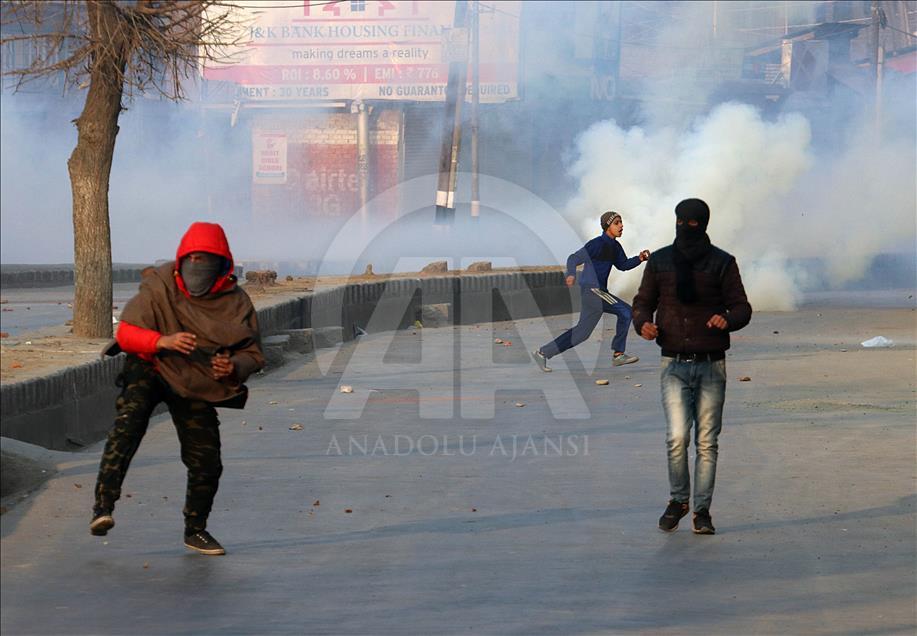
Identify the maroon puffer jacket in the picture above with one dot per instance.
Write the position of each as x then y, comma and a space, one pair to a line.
683, 328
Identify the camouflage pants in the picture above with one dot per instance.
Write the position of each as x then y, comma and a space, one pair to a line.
198, 432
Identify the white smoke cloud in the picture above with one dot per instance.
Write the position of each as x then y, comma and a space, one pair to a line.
858, 204
741, 165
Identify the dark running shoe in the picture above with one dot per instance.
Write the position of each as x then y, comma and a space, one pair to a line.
668, 522
204, 543
101, 523
703, 524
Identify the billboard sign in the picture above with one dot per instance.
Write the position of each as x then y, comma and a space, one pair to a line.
365, 49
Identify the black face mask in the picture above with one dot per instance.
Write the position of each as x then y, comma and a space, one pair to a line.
199, 277
691, 245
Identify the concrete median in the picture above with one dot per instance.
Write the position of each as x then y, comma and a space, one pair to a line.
74, 407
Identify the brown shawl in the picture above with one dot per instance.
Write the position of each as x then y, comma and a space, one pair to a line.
222, 321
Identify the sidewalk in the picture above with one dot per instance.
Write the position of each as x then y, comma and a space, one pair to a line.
815, 506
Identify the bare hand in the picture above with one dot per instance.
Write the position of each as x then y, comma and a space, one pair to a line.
570, 280
644, 255
649, 331
717, 321
182, 341
221, 366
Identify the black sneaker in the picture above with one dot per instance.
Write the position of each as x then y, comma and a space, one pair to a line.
668, 522
204, 543
703, 524
101, 523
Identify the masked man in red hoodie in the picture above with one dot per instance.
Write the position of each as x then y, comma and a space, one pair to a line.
191, 338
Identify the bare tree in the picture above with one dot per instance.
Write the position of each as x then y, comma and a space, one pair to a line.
115, 48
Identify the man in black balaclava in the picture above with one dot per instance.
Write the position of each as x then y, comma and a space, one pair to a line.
695, 291
691, 244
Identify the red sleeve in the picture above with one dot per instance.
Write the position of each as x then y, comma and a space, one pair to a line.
134, 339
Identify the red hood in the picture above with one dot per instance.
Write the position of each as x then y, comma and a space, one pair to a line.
210, 238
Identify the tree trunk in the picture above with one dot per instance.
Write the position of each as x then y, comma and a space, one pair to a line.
90, 169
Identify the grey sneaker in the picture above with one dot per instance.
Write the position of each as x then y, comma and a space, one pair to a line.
541, 361
204, 543
622, 359
101, 524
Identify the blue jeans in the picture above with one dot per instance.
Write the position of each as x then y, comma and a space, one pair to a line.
693, 393
591, 310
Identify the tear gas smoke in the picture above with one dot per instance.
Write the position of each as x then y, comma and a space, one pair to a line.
778, 193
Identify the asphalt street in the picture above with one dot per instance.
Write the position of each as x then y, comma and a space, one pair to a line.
459, 490
26, 310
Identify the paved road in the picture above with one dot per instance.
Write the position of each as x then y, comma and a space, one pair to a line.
29, 309
815, 502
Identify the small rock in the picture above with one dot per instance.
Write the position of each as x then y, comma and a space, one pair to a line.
745, 378
843, 351
348, 511
507, 343
776, 332
436, 267
296, 427
369, 270
77, 485
346, 388
637, 386
16, 365
146, 566
4, 334
498, 340
481, 266
520, 404
474, 510
627, 377
266, 277
601, 382
316, 503
289, 279
260, 428
273, 402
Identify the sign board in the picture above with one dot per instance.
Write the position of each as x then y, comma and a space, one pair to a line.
365, 49
269, 157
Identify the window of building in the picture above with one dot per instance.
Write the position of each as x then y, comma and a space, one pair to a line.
357, 5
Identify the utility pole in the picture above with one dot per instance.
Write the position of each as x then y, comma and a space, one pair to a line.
715, 18
456, 88
475, 104
362, 111
877, 61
